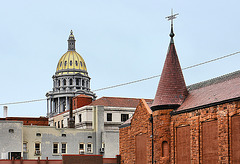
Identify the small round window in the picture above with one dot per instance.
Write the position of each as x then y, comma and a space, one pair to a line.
70, 62
76, 63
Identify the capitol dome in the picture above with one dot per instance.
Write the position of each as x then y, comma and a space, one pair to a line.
71, 62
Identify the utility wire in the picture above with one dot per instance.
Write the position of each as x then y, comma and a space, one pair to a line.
132, 82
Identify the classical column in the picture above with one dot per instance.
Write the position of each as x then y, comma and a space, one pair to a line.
67, 103
58, 107
47, 107
51, 106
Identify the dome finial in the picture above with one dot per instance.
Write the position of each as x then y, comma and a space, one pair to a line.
71, 32
171, 17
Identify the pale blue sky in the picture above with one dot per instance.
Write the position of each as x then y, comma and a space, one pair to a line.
120, 41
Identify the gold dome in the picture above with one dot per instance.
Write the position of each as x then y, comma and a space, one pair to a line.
71, 63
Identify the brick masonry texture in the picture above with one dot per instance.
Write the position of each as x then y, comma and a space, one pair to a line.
165, 129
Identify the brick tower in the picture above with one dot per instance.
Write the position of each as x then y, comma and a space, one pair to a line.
170, 95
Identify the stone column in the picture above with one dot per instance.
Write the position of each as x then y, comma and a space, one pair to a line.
47, 107
67, 103
51, 106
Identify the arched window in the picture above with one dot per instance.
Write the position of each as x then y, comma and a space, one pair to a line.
83, 83
77, 81
81, 63
64, 82
59, 83
65, 63
165, 149
60, 64
76, 63
70, 81
70, 62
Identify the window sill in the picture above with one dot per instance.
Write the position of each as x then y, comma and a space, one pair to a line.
56, 154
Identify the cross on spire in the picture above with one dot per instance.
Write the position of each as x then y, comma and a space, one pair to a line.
171, 17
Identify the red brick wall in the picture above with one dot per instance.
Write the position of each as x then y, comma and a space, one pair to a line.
41, 121
226, 117
78, 101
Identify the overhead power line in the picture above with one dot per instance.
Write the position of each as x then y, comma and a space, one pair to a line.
131, 82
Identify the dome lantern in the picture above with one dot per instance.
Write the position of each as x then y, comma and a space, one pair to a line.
71, 42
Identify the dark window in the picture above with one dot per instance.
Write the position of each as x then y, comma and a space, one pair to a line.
55, 148
76, 63
59, 83
70, 62
80, 117
60, 64
58, 124
81, 63
109, 116
89, 137
81, 146
62, 123
37, 146
74, 118
11, 131
64, 148
77, 81
64, 135
83, 83
38, 134
65, 63
55, 124
70, 81
124, 117
64, 82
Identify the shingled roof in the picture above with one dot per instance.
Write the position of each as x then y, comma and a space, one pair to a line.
172, 89
212, 92
118, 102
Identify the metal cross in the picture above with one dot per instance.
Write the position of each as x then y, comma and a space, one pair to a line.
171, 17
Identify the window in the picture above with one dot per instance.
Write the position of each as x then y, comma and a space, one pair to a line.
124, 117
89, 148
64, 148
58, 124
60, 64
38, 134
77, 81
84, 64
62, 123
81, 148
109, 116
80, 117
76, 63
55, 124
59, 83
70, 81
55, 148
81, 63
165, 149
65, 63
64, 135
24, 146
11, 130
37, 149
64, 82
83, 83
70, 62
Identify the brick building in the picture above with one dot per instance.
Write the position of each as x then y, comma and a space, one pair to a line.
199, 123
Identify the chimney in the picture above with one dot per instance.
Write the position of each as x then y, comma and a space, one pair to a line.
5, 111
71, 121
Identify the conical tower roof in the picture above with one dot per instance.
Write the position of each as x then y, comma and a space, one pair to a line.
172, 90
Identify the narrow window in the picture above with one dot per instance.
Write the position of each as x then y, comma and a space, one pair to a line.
65, 63
84, 64
64, 135
76, 63
70, 81
25, 147
64, 82
58, 124
37, 149
70, 62
81, 63
124, 117
165, 150
80, 117
59, 83
60, 64
81, 148
77, 81
64, 148
83, 83
55, 148
62, 123
109, 116
55, 124
89, 148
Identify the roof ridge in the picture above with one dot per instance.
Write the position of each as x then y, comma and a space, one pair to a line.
215, 80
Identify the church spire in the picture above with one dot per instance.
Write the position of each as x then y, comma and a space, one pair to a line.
172, 90
71, 42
